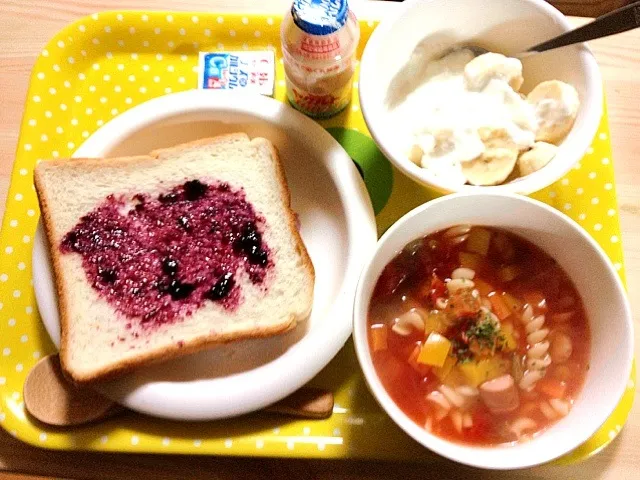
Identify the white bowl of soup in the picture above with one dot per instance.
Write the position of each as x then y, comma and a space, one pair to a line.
493, 330
413, 99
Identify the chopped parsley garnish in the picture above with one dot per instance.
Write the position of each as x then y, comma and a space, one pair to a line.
485, 332
480, 336
460, 351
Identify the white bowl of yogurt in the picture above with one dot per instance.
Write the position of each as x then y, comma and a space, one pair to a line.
456, 128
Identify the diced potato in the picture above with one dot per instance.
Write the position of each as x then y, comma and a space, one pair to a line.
483, 287
435, 350
483, 370
478, 241
504, 246
443, 372
472, 373
471, 260
509, 344
509, 273
455, 378
379, 335
434, 322
512, 302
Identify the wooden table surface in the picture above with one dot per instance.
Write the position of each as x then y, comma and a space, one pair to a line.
26, 25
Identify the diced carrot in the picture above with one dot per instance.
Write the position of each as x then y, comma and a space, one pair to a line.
552, 387
435, 350
512, 302
483, 287
413, 362
500, 308
535, 299
471, 260
509, 273
379, 335
478, 241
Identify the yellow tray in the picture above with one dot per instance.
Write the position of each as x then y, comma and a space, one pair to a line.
106, 63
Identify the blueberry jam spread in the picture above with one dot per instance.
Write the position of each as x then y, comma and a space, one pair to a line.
156, 259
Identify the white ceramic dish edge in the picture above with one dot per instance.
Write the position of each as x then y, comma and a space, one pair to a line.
251, 390
572, 148
593, 406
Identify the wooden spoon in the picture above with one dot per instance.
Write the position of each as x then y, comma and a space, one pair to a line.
306, 402
52, 399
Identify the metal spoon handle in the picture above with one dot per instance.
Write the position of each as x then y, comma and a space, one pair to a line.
618, 21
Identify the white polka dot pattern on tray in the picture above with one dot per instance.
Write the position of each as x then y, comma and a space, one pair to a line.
107, 63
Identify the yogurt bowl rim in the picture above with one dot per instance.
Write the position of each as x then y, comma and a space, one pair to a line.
579, 140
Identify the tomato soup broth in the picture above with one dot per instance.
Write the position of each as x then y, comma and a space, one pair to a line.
478, 335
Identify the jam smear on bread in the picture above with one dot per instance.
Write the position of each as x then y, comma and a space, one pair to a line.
158, 258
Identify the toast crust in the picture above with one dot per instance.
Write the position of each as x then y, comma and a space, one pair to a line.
173, 351
186, 347
286, 194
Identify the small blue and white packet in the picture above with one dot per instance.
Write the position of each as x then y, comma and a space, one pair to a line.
249, 71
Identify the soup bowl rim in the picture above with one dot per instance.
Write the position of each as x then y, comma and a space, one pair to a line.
518, 454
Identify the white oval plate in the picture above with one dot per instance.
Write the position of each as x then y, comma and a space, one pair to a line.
337, 226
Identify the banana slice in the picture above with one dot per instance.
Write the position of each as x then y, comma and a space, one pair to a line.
449, 145
515, 138
490, 168
556, 105
496, 137
536, 158
415, 154
479, 71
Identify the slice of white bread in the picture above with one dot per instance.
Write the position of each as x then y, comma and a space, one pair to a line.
95, 344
